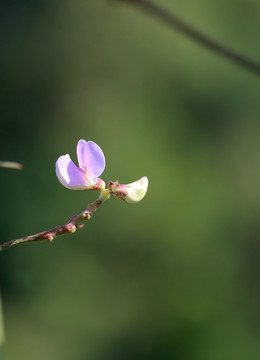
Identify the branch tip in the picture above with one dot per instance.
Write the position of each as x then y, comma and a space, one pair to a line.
176, 23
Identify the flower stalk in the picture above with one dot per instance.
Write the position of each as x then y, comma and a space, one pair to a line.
76, 221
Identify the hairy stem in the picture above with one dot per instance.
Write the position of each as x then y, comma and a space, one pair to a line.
70, 227
178, 24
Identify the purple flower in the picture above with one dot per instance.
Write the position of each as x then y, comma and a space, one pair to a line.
91, 165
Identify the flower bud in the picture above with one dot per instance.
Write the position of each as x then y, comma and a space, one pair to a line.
133, 192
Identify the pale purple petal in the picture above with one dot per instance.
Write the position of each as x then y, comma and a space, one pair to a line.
81, 153
94, 160
71, 176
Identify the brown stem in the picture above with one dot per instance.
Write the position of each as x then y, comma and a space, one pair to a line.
178, 24
74, 223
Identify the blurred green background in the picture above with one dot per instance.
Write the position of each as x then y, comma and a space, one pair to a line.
175, 276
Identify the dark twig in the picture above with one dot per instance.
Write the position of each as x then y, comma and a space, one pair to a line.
204, 40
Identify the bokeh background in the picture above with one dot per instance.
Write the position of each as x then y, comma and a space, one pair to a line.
175, 276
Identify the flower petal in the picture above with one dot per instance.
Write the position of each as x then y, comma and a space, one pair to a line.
71, 176
136, 190
91, 158
95, 160
81, 153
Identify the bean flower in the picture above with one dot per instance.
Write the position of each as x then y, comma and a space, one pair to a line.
85, 176
92, 162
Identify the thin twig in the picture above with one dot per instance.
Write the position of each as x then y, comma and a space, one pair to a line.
74, 223
11, 165
130, 193
178, 24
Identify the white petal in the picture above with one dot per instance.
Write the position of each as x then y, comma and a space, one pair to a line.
136, 190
